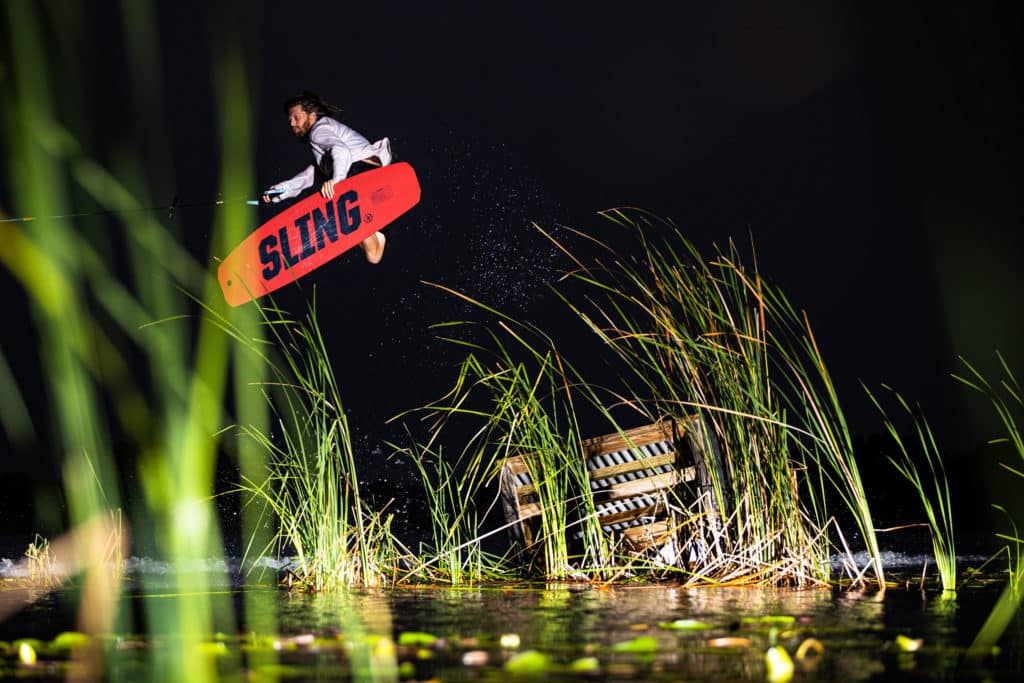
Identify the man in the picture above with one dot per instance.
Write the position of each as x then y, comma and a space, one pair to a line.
335, 148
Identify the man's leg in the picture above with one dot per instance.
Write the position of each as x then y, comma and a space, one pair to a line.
373, 247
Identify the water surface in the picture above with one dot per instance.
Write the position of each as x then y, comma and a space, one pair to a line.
617, 632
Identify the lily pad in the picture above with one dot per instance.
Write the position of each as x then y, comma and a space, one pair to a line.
585, 665
779, 665
69, 640
528, 662
26, 654
685, 625
770, 619
416, 638
908, 644
641, 645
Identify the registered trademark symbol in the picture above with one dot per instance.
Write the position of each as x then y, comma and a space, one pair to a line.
369, 218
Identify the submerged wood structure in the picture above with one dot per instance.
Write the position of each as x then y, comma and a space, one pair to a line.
640, 478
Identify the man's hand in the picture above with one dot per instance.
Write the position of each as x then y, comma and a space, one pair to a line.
328, 189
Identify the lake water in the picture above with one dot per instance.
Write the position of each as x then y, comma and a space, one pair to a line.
567, 632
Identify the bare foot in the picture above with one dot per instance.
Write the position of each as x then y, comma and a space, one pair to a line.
377, 254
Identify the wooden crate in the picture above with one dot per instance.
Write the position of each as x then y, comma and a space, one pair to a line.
630, 475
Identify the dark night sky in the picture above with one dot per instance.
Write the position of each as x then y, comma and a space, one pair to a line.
873, 155
859, 147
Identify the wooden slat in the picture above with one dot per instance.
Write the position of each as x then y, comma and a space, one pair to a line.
626, 489
637, 465
516, 496
640, 436
515, 465
629, 515
528, 510
637, 487
631, 438
646, 534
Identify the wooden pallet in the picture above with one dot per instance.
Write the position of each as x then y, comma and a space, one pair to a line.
631, 474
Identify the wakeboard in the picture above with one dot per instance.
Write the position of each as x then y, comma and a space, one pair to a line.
316, 230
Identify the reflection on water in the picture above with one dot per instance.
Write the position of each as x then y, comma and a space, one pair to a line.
358, 635
857, 630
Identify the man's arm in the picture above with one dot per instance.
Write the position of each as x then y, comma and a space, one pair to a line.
293, 186
327, 138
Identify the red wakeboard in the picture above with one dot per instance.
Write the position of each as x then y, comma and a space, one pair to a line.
315, 230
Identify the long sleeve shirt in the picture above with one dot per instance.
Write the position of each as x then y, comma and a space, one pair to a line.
335, 147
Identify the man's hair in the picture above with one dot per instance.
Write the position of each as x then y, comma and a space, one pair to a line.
310, 103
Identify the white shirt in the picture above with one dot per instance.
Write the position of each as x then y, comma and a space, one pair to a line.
329, 136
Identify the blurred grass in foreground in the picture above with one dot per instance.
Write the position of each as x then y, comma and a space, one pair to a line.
156, 390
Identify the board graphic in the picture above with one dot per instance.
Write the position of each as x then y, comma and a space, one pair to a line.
315, 230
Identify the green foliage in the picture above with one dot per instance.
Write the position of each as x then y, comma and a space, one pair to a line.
692, 334
932, 490
95, 284
1006, 399
311, 485
40, 562
456, 556
711, 335
520, 392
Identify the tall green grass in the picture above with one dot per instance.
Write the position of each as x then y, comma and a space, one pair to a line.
456, 555
710, 334
692, 334
1007, 400
311, 482
160, 389
932, 489
520, 394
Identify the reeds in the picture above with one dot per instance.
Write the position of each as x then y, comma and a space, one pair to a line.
932, 490
311, 483
713, 336
1007, 399
96, 276
456, 555
521, 393
693, 335
39, 562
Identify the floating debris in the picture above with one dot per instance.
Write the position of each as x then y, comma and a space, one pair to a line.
730, 641
416, 638
779, 664
769, 619
528, 662
641, 645
685, 625
907, 644
810, 644
585, 665
26, 654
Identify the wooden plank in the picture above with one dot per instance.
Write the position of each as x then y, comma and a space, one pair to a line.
639, 436
630, 515
647, 534
633, 466
627, 489
638, 487
515, 465
520, 508
631, 438
528, 510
